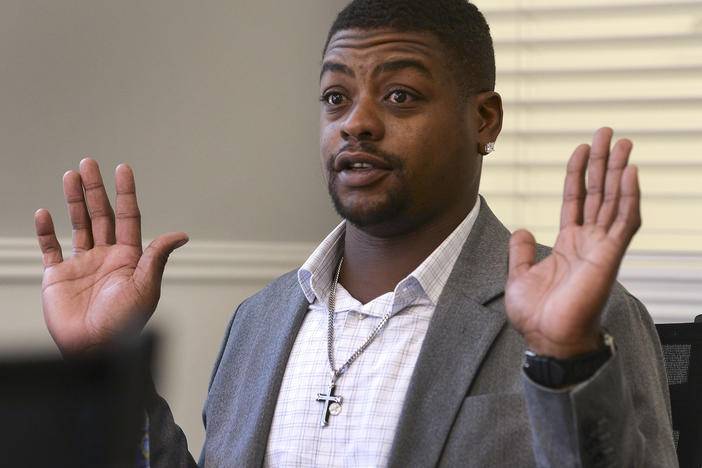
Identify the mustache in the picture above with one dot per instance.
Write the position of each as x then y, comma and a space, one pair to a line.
370, 148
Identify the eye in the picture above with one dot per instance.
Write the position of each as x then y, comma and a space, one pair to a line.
333, 98
399, 96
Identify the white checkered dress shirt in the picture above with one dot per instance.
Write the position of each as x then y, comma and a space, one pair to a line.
374, 386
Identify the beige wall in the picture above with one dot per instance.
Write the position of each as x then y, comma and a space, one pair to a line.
215, 106
213, 103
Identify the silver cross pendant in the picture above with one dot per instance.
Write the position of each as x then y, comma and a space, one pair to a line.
332, 404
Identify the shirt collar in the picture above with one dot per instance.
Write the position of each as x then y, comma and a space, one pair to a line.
315, 275
432, 274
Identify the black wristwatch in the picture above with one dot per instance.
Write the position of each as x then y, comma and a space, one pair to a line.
553, 372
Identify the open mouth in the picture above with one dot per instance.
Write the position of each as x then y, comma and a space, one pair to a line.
360, 166
359, 169
361, 174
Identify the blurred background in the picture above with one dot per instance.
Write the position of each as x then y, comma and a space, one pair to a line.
214, 104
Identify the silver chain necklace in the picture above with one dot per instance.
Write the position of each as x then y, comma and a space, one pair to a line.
332, 403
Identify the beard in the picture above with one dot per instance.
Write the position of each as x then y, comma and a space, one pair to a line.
396, 199
372, 213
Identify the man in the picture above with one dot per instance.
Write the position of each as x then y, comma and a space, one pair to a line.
400, 341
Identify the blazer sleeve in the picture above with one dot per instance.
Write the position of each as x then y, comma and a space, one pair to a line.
618, 417
168, 445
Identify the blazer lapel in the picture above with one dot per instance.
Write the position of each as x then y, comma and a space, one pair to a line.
461, 332
252, 369
277, 344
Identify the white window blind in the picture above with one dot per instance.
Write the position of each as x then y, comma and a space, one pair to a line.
566, 68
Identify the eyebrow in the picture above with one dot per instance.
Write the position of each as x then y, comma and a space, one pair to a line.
397, 65
394, 65
335, 67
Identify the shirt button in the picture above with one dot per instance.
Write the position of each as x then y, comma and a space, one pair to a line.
361, 316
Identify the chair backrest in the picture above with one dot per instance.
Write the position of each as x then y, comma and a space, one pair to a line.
682, 351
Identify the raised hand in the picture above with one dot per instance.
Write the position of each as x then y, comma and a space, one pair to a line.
108, 286
556, 303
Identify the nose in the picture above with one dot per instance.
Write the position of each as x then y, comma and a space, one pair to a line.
363, 122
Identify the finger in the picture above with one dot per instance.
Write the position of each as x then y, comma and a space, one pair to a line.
574, 188
628, 218
50, 248
618, 159
102, 217
128, 218
77, 212
149, 270
599, 153
522, 253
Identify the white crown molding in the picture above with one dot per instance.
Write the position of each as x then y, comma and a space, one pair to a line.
20, 260
669, 283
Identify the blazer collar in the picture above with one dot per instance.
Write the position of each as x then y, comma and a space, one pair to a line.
480, 273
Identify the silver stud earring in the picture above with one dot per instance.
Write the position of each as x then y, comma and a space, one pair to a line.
489, 148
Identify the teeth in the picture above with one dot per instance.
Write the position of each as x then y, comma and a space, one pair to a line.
361, 165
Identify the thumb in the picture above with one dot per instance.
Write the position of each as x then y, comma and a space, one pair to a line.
149, 270
522, 253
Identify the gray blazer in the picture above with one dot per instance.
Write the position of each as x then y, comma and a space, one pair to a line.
468, 403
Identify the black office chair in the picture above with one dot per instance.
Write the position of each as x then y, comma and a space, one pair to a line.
682, 350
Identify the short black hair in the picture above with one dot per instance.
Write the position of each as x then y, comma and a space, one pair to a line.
458, 25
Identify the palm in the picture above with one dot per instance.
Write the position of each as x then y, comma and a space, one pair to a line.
76, 292
108, 286
556, 303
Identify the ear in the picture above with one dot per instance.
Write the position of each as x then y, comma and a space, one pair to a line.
489, 107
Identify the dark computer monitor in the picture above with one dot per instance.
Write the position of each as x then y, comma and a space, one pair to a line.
79, 412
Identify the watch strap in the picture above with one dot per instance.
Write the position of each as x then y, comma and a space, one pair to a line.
553, 372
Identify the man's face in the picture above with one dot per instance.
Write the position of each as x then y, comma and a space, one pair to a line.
398, 144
